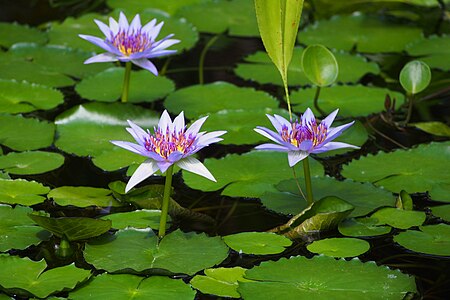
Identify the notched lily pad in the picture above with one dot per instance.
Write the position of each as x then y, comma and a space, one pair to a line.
399, 218
22, 192
362, 227
431, 239
258, 243
83, 196
339, 247
31, 162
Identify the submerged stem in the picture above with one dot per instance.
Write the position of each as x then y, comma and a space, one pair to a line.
410, 107
202, 58
309, 193
165, 204
316, 102
126, 82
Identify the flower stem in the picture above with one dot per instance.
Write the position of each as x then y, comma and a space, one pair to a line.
165, 204
202, 58
126, 82
410, 107
316, 102
288, 100
309, 193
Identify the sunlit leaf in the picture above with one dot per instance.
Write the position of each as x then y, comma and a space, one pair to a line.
415, 76
320, 65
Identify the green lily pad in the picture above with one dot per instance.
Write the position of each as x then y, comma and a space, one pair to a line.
415, 76
221, 282
415, 170
359, 227
399, 218
22, 192
14, 33
17, 97
247, 175
324, 277
73, 228
17, 231
31, 162
258, 67
25, 277
364, 197
137, 219
125, 286
434, 51
432, 239
434, 128
352, 101
144, 86
82, 196
441, 211
199, 100
177, 252
137, 6
19, 133
107, 160
347, 32
236, 17
258, 243
339, 247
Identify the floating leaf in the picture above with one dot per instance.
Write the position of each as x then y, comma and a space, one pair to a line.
137, 6
82, 196
31, 162
23, 276
137, 219
339, 247
415, 76
21, 191
433, 51
14, 33
258, 243
432, 239
435, 128
144, 86
221, 282
320, 65
399, 218
441, 211
359, 227
415, 170
324, 277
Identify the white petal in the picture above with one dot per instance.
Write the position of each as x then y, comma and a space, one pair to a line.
153, 33
104, 57
295, 156
307, 117
114, 26
195, 127
178, 122
193, 165
135, 24
139, 133
104, 28
145, 170
164, 121
123, 22
145, 64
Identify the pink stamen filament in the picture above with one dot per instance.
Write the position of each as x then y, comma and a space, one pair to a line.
165, 143
131, 42
298, 133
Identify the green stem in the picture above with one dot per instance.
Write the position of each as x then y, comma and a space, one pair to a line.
202, 58
410, 107
298, 183
165, 66
126, 82
316, 102
309, 192
165, 204
288, 100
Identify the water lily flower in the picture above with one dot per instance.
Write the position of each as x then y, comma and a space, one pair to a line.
171, 143
299, 139
130, 42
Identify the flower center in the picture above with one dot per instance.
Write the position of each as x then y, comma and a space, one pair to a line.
131, 42
298, 133
165, 143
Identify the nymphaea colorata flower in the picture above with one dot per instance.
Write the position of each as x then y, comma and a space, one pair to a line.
130, 42
171, 143
299, 139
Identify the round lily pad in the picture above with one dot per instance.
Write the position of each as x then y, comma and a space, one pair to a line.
358, 227
137, 219
125, 286
324, 277
431, 239
177, 252
83, 196
199, 100
19, 133
247, 175
27, 277
14, 33
137, 6
17, 97
339, 247
347, 32
258, 67
31, 162
441, 211
421, 169
21, 191
258, 243
144, 86
399, 218
433, 51
351, 101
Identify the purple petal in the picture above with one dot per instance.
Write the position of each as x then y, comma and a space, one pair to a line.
178, 122
101, 43
148, 27
337, 131
282, 121
305, 145
150, 54
274, 137
333, 146
139, 133
153, 32
295, 156
135, 24
123, 22
330, 118
145, 64
275, 123
130, 147
164, 165
104, 57
104, 28
193, 165
195, 127
175, 156
145, 170
114, 26
164, 121
208, 138
165, 44
307, 117
272, 147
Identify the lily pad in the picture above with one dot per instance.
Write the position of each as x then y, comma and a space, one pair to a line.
137, 6
137, 219
25, 277
441, 211
17, 231
258, 243
415, 170
247, 175
144, 86
435, 128
199, 100
431, 239
348, 32
359, 227
14, 33
399, 218
125, 286
19, 133
17, 97
83, 196
339, 247
31, 162
177, 252
324, 277
21, 191
258, 67
434, 51
352, 101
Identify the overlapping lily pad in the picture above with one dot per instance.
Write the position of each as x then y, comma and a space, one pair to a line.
247, 175
435, 128
137, 6
83, 196
431, 239
17, 97
434, 51
258, 67
324, 277
358, 227
137, 219
352, 101
259, 243
399, 218
30, 162
339, 247
347, 32
144, 86
421, 169
14, 33
26, 277
177, 252
441, 211
21, 191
